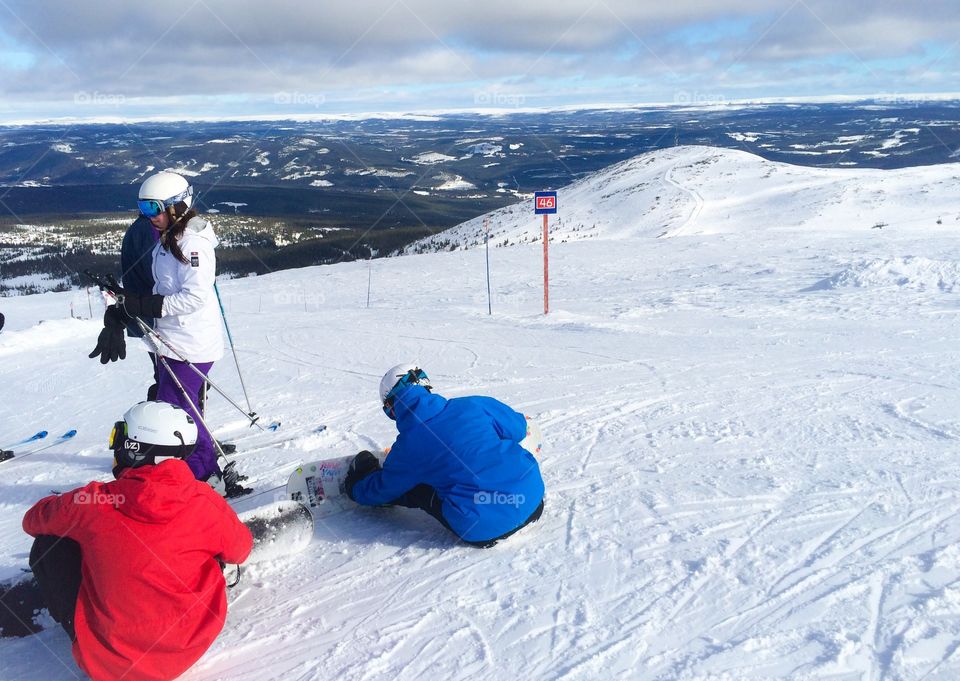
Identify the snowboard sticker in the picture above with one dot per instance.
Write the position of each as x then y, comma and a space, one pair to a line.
320, 485
533, 442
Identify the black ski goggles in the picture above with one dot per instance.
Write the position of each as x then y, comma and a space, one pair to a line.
118, 434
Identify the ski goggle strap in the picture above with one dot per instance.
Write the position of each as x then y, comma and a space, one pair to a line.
413, 377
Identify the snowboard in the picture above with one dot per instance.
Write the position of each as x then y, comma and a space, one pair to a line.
20, 602
319, 485
533, 442
278, 531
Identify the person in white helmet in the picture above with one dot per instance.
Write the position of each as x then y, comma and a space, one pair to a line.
130, 567
468, 462
183, 309
136, 270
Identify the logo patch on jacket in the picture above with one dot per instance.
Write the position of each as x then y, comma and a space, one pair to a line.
194, 259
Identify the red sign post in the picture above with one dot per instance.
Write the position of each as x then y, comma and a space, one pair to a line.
545, 203
546, 264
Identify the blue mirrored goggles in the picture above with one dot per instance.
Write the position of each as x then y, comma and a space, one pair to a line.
151, 208
412, 377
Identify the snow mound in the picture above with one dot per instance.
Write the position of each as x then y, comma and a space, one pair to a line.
911, 272
454, 183
695, 191
430, 158
47, 334
484, 149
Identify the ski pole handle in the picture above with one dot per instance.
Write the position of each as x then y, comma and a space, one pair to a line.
108, 283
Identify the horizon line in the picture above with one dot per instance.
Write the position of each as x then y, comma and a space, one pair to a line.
436, 114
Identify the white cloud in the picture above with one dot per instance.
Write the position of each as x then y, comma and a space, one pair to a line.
423, 53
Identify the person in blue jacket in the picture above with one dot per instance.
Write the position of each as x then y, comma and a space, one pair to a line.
460, 460
136, 265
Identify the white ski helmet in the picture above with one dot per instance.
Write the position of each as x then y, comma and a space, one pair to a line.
163, 190
400, 376
151, 431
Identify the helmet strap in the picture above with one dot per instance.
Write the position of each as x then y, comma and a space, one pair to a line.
183, 452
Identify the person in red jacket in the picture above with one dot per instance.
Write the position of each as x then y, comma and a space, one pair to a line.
130, 568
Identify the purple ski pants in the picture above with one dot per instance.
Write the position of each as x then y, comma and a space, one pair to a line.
203, 461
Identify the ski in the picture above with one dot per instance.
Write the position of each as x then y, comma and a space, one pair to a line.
225, 437
239, 448
41, 445
270, 445
39, 435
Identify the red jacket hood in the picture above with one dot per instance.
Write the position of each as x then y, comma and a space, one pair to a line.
154, 494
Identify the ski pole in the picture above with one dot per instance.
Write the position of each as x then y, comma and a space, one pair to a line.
110, 284
155, 336
233, 349
186, 396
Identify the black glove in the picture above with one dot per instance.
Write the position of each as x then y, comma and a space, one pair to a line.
145, 307
111, 344
363, 464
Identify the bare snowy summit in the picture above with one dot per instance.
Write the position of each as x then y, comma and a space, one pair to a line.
692, 190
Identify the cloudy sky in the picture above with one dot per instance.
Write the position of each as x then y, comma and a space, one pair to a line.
224, 58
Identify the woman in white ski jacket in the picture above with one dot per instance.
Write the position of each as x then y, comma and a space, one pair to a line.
185, 306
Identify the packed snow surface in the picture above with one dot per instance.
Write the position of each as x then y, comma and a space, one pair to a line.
751, 473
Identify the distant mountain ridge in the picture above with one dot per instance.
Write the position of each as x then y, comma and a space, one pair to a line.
692, 190
298, 167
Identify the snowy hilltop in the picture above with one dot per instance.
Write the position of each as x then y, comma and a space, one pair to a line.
750, 436
707, 190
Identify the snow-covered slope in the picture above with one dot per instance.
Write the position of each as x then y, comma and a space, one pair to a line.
706, 190
751, 455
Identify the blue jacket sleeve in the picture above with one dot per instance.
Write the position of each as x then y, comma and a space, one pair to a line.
136, 264
510, 425
136, 258
399, 475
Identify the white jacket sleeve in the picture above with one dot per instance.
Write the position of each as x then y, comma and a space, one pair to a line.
198, 277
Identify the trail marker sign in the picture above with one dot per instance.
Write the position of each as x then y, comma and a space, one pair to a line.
545, 203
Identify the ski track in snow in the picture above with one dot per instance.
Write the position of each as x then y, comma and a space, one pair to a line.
698, 202
746, 478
